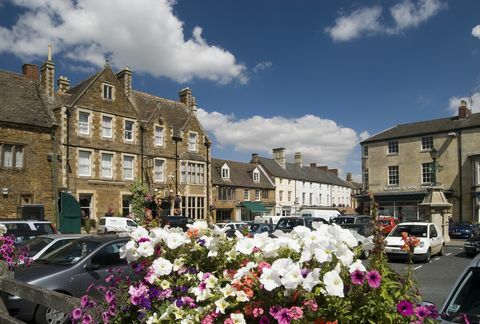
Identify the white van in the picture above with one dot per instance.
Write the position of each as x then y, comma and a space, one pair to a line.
267, 219
326, 214
115, 225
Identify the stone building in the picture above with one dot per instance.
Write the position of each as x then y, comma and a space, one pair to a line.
298, 186
27, 144
398, 167
241, 191
111, 135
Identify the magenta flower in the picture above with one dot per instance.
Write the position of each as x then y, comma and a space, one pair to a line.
87, 319
283, 316
358, 277
295, 312
84, 301
77, 314
264, 320
405, 308
422, 312
374, 279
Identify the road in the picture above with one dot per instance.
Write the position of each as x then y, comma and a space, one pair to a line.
437, 277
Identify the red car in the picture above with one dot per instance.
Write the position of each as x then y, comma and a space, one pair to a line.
387, 223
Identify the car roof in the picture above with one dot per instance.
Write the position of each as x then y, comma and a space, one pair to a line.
103, 238
415, 223
11, 220
57, 236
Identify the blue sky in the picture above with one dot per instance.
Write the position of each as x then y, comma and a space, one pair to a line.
311, 76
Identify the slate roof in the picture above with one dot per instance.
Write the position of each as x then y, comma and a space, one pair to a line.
241, 175
425, 128
22, 101
304, 173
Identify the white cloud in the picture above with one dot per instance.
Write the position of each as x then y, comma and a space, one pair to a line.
261, 67
144, 35
369, 20
319, 140
476, 31
364, 135
473, 103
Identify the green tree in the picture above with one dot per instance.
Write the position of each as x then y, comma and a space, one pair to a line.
138, 190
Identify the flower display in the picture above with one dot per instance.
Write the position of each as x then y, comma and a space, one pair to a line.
9, 253
203, 276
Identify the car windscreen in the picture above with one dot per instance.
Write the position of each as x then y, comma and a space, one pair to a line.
465, 300
44, 228
36, 244
344, 220
411, 230
289, 223
71, 253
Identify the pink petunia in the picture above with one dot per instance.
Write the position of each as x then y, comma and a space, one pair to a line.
374, 279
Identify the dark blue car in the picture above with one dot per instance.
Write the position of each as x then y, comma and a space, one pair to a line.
461, 230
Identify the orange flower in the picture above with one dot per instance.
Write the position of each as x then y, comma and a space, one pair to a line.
248, 292
321, 321
192, 232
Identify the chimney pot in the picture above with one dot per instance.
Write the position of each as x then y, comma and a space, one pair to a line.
333, 171
349, 177
323, 168
313, 165
297, 159
463, 111
279, 156
125, 78
30, 71
63, 84
185, 96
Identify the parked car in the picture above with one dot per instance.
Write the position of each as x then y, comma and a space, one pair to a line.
429, 234
69, 270
176, 221
44, 244
287, 223
472, 245
232, 227
115, 225
258, 228
327, 215
387, 223
362, 224
461, 230
24, 230
462, 304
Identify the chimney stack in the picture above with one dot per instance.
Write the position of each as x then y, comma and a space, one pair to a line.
333, 171
323, 168
125, 78
313, 165
297, 159
63, 84
30, 71
254, 159
279, 156
463, 111
48, 75
185, 96
349, 177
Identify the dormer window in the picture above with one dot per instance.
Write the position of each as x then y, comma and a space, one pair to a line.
107, 92
192, 142
225, 172
256, 175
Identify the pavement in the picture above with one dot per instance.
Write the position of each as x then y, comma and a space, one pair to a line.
455, 242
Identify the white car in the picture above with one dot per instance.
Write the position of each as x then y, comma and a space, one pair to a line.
429, 234
115, 225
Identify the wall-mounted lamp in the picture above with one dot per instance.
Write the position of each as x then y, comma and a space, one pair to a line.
5, 192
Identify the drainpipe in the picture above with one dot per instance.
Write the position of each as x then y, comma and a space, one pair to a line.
54, 177
460, 173
207, 146
142, 132
67, 163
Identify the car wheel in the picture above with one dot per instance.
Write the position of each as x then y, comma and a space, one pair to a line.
442, 250
428, 256
470, 254
46, 315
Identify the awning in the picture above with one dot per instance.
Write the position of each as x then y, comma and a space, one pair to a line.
255, 207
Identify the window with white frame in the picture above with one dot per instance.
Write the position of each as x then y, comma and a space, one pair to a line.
83, 123
192, 172
192, 142
107, 126
264, 194
319, 199
225, 171
159, 170
427, 142
129, 130
246, 194
289, 196
159, 136
280, 195
393, 175
427, 173
311, 199
303, 198
18, 157
225, 193
107, 165
84, 163
11, 156
365, 179
256, 175
392, 147
365, 151
257, 194
128, 165
107, 92
193, 207
476, 173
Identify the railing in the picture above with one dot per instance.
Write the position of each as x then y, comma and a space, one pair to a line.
37, 295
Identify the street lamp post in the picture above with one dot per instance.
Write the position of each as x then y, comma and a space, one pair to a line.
434, 156
176, 139
207, 146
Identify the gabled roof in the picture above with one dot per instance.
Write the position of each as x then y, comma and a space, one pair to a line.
303, 173
22, 102
425, 128
241, 175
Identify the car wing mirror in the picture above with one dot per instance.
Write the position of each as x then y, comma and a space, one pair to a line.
92, 267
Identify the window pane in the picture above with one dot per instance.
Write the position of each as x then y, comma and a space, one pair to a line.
158, 170
107, 126
192, 142
18, 157
128, 130
83, 126
107, 165
128, 167
7, 156
84, 163
159, 136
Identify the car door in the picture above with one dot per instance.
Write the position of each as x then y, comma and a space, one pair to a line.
434, 240
98, 267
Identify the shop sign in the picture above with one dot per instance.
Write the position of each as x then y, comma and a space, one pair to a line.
399, 188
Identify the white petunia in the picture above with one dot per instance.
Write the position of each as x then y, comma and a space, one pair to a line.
175, 240
245, 245
153, 319
321, 255
281, 266
333, 284
3, 229
162, 267
228, 291
270, 279
211, 281
221, 304
138, 233
241, 296
312, 279
244, 270
357, 265
129, 251
237, 318
145, 249
157, 234
292, 277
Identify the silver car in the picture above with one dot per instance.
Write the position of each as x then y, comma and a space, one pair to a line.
463, 301
44, 244
69, 270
